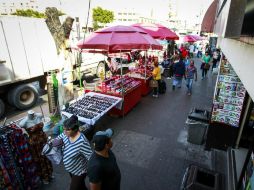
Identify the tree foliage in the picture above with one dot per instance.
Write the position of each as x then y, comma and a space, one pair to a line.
32, 13
101, 16
29, 13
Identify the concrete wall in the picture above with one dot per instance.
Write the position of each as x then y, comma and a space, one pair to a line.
241, 57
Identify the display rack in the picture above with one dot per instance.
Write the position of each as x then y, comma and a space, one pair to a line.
92, 106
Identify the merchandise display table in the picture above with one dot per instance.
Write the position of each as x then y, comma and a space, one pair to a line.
92, 106
145, 88
130, 99
126, 87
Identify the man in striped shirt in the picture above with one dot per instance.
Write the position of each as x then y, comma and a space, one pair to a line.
76, 153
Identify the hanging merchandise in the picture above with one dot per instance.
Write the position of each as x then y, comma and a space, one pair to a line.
17, 168
229, 97
37, 139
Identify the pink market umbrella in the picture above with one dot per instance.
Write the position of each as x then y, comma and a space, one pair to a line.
157, 31
119, 38
189, 38
196, 37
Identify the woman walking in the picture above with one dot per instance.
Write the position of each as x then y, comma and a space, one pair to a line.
76, 153
205, 66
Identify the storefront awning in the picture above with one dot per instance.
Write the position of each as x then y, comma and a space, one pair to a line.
208, 20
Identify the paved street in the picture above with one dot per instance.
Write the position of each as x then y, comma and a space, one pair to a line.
150, 142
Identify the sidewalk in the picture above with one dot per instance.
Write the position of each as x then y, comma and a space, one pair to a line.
150, 142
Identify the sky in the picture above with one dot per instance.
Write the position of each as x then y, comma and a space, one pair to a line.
187, 9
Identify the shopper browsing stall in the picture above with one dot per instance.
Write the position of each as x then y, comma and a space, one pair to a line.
178, 71
103, 171
157, 77
76, 153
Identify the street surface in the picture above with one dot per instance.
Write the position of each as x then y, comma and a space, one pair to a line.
150, 142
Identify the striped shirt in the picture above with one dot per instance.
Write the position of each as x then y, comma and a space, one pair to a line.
76, 154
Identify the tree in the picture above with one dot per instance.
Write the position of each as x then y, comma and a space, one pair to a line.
101, 16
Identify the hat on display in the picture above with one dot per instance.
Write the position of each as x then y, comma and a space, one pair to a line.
101, 138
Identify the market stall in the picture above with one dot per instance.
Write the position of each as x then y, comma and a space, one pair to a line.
119, 39
144, 75
126, 87
91, 107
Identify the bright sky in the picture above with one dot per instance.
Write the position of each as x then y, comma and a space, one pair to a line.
78, 8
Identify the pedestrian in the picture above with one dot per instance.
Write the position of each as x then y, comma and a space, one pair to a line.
191, 50
215, 59
157, 77
191, 72
200, 47
178, 72
205, 66
103, 171
76, 153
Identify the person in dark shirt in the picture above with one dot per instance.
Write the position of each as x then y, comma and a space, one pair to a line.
103, 171
178, 71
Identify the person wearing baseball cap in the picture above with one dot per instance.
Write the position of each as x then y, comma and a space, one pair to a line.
103, 171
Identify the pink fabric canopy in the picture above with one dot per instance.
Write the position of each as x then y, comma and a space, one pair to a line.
196, 37
189, 38
119, 38
157, 31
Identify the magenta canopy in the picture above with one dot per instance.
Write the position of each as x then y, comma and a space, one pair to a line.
157, 31
119, 38
196, 37
189, 38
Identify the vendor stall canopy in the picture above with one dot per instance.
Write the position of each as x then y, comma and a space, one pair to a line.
118, 39
157, 31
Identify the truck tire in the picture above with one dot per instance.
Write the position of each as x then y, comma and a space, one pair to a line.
100, 68
2, 108
24, 96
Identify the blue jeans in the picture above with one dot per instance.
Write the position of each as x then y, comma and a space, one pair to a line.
189, 84
177, 81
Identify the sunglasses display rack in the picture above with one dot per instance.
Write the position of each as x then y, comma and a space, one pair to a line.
118, 85
91, 107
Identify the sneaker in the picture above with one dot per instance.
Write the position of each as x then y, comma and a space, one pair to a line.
45, 182
173, 87
189, 94
156, 96
179, 87
202, 78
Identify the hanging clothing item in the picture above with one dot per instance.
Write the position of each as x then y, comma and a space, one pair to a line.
37, 139
17, 168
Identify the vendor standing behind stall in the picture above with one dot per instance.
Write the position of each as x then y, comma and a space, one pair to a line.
156, 76
76, 153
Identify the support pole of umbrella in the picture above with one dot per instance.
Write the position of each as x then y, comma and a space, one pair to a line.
145, 64
122, 82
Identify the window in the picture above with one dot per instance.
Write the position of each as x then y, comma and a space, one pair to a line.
124, 13
129, 13
129, 19
119, 13
124, 19
21, 3
119, 19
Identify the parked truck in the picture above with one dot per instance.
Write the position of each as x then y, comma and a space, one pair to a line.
27, 53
